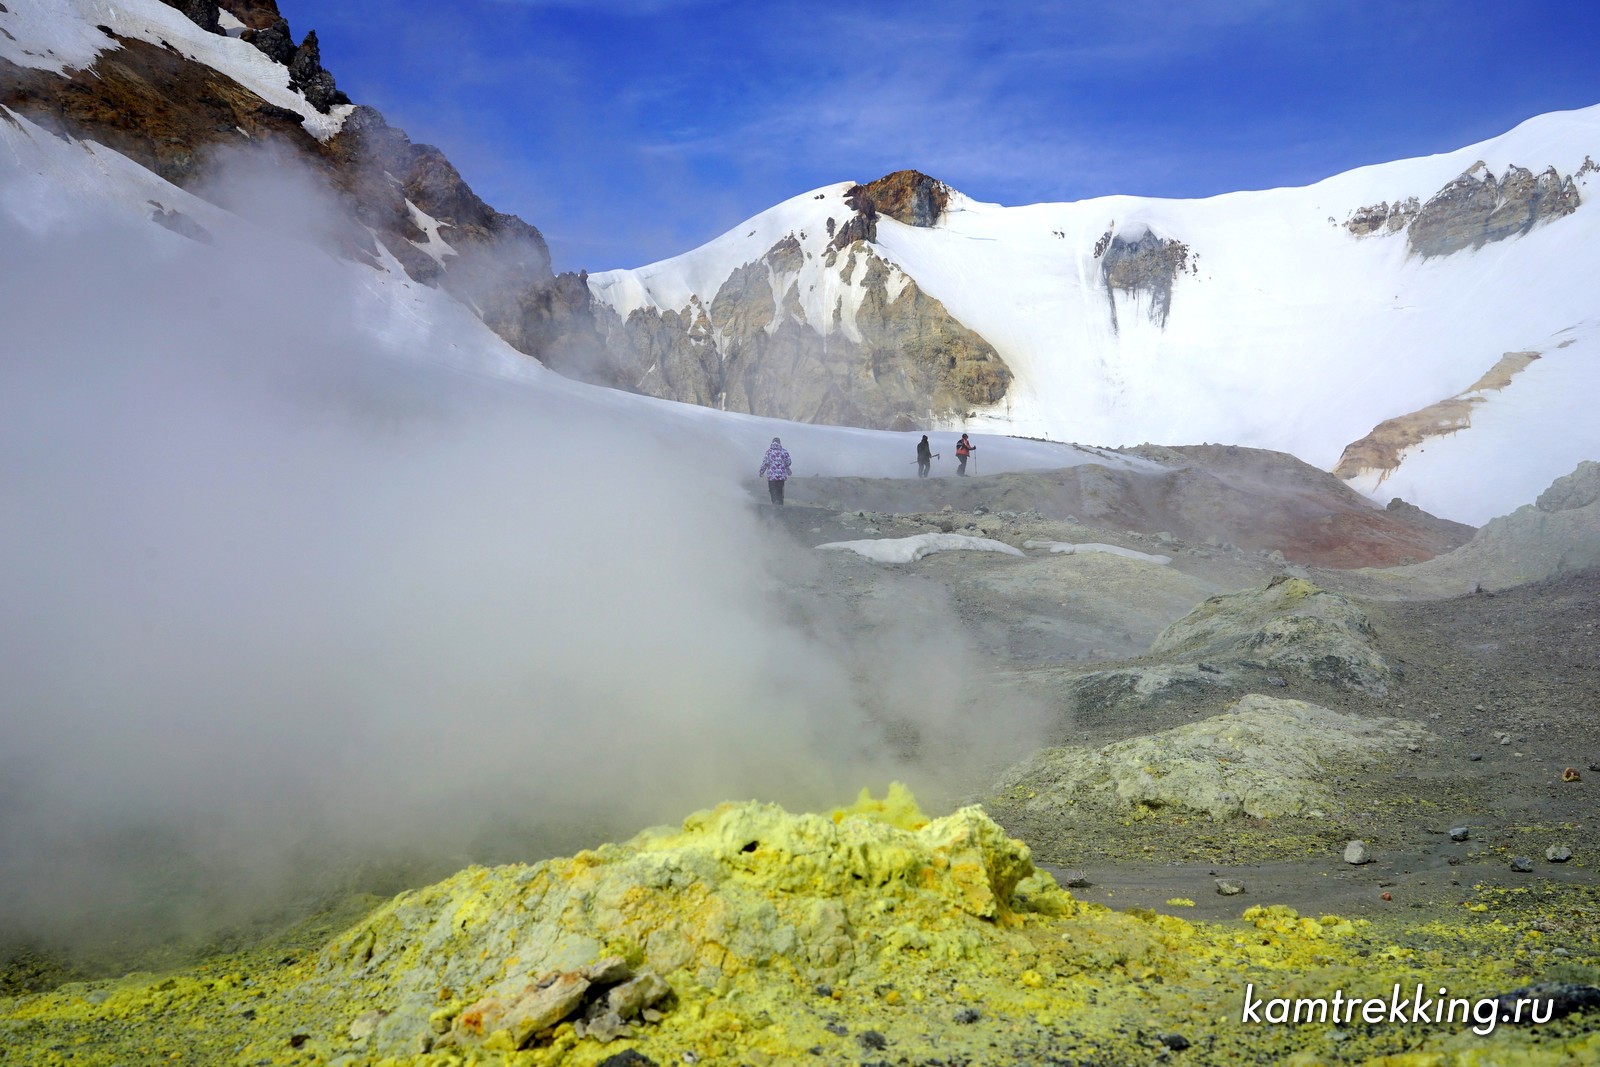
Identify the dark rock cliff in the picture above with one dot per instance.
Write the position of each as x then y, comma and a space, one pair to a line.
1147, 265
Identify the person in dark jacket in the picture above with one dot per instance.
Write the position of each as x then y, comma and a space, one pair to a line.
924, 457
775, 467
964, 448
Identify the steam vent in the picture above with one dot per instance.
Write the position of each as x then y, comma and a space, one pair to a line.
750, 935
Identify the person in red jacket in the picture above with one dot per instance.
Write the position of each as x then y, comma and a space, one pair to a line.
964, 448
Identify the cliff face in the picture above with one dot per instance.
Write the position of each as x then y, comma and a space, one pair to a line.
1473, 210
887, 355
1144, 265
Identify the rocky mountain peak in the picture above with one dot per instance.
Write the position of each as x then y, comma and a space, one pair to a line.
907, 196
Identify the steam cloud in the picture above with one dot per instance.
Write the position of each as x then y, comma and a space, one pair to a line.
284, 593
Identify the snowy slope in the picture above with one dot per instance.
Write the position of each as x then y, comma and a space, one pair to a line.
1287, 333
53, 188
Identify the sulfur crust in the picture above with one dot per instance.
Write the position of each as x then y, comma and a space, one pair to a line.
781, 934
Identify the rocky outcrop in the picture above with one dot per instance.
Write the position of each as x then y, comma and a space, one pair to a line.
155, 106
1291, 628
1264, 757
1384, 448
1383, 218
202, 13
309, 79
255, 14
906, 196
1141, 264
1477, 208
896, 359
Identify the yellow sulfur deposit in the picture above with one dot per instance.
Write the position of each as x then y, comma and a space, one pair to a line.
750, 935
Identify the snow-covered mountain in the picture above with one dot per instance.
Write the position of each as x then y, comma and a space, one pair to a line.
1426, 328
1430, 327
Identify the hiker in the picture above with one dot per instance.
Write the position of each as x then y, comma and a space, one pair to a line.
775, 469
924, 457
964, 448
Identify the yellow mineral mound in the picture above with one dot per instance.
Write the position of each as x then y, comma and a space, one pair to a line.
750, 935
740, 889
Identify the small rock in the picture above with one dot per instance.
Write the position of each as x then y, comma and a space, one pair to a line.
609, 971
1229, 887
1521, 864
1413, 747
634, 1058
1595, 767
1175, 1042
1276, 682
1558, 853
1505, 739
1357, 853
1075, 879
362, 1026
871, 1039
645, 991
1459, 833
968, 1016
1475, 756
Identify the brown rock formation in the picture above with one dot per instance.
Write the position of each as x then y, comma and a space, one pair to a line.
1381, 449
255, 14
906, 196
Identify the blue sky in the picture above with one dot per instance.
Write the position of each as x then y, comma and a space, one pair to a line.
632, 130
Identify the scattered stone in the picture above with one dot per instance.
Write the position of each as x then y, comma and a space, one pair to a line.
1459, 833
968, 1016
1413, 747
1521, 864
1475, 756
1276, 681
1229, 887
1571, 774
1558, 853
630, 1058
1175, 1042
362, 1026
1505, 739
872, 1039
1564, 998
632, 997
1356, 853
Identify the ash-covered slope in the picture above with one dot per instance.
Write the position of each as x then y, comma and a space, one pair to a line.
1302, 320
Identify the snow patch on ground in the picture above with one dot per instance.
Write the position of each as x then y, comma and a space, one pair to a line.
1071, 548
911, 549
